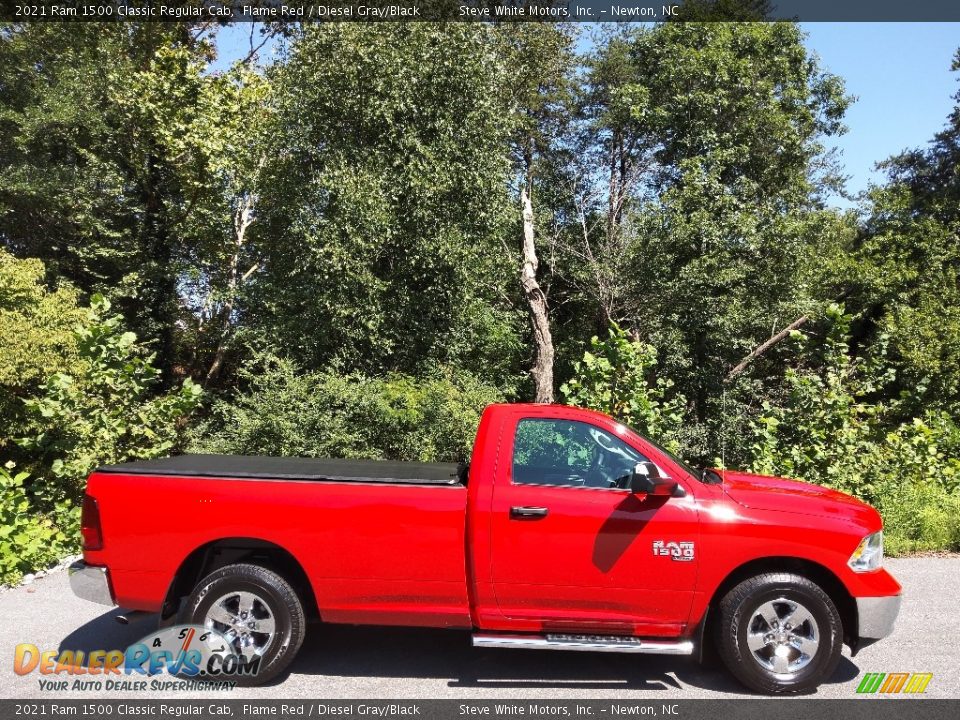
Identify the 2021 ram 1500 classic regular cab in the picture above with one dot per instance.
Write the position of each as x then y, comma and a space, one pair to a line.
569, 531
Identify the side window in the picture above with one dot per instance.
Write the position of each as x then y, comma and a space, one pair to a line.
571, 453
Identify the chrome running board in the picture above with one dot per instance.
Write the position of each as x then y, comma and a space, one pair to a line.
585, 643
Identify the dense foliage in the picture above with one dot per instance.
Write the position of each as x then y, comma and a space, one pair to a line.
329, 244
108, 412
386, 202
281, 410
36, 337
832, 428
614, 377
28, 539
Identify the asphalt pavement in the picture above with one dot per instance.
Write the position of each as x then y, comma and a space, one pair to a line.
360, 662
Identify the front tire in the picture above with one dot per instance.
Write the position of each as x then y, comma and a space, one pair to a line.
257, 610
779, 633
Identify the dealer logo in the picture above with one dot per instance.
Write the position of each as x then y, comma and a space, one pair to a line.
190, 652
909, 683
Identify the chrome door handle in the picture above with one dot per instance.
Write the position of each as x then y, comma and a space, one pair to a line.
527, 513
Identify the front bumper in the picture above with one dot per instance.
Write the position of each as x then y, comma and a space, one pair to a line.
876, 616
91, 583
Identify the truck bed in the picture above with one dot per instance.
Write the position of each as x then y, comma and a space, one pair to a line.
380, 543
291, 468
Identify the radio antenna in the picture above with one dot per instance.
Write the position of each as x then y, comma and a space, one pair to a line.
723, 434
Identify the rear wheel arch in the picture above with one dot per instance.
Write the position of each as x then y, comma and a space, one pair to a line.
216, 554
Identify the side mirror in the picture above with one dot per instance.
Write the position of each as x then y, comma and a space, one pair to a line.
646, 479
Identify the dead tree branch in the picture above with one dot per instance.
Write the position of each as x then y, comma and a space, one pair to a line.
762, 348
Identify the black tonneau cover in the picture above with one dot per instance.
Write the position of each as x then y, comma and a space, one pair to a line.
291, 468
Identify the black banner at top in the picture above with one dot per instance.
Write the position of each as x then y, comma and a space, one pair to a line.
293, 11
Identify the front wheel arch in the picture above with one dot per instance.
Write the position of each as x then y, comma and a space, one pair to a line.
779, 633
813, 571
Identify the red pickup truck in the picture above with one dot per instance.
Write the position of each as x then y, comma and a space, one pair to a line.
567, 531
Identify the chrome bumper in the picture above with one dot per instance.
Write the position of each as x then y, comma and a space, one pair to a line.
876, 616
90, 583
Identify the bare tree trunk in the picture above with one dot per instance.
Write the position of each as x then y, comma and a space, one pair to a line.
613, 189
542, 370
243, 219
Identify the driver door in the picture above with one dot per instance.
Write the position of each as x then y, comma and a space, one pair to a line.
572, 547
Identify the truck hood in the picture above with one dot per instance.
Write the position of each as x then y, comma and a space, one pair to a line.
764, 492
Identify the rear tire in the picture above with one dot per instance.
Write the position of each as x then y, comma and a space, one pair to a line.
254, 607
779, 633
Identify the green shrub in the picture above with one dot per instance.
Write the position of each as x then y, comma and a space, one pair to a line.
332, 414
36, 338
824, 429
28, 540
616, 377
828, 432
103, 411
106, 413
920, 517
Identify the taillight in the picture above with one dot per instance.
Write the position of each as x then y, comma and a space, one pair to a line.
90, 524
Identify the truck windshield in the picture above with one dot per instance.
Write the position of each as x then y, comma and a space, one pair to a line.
696, 473
703, 474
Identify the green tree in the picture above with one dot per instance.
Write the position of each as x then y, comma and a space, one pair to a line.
825, 425
36, 338
539, 62
385, 201
721, 241
609, 169
217, 146
105, 413
834, 428
89, 182
904, 271
616, 378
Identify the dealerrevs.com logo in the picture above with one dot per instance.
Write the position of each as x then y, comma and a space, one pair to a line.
911, 683
181, 657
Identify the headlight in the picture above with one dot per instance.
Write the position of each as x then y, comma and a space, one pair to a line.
869, 553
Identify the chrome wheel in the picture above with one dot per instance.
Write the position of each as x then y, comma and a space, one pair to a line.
783, 637
246, 621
